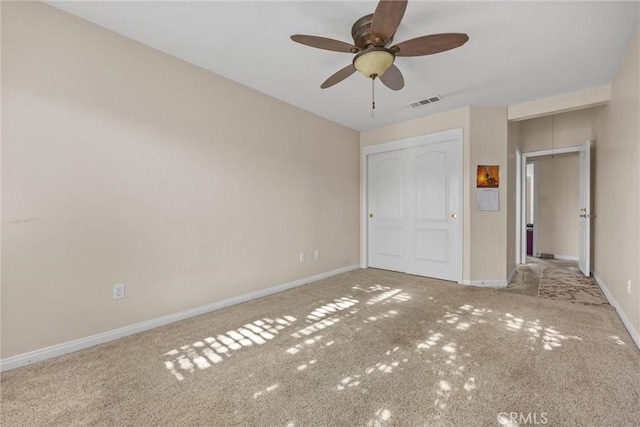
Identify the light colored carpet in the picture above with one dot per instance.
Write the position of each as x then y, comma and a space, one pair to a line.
365, 348
526, 281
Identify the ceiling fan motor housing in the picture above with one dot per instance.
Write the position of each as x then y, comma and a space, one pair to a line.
361, 33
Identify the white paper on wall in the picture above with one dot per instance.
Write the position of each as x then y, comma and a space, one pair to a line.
488, 199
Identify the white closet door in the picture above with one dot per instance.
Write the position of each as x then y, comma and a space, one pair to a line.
414, 200
386, 220
433, 228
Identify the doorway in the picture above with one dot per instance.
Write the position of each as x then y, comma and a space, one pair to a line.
565, 218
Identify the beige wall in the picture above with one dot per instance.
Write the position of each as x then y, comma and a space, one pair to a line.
578, 100
617, 187
485, 142
123, 164
558, 204
488, 144
569, 130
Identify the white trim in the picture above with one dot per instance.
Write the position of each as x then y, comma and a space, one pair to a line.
562, 150
364, 254
534, 211
82, 343
518, 243
444, 136
566, 257
491, 283
522, 250
486, 283
634, 334
448, 135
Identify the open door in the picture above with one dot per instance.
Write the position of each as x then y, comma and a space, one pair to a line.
584, 219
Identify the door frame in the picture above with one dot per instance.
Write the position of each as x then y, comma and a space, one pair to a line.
534, 198
519, 212
521, 202
431, 138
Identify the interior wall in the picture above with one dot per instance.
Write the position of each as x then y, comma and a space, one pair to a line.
616, 192
558, 204
122, 164
569, 130
489, 228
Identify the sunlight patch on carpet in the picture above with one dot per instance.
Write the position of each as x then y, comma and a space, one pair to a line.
211, 351
381, 418
536, 332
616, 339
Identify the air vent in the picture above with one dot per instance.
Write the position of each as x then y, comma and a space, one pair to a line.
426, 101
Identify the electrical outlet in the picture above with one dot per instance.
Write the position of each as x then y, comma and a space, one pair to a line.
629, 286
317, 254
301, 256
118, 291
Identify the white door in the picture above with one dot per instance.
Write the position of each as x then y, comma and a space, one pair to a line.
414, 203
386, 210
433, 210
524, 208
584, 218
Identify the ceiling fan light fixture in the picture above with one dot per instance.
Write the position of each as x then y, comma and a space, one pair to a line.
374, 61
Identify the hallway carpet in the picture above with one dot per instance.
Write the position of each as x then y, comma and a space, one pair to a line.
365, 348
556, 279
569, 284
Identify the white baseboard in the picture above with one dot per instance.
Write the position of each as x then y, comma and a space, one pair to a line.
490, 283
486, 283
566, 257
625, 320
82, 343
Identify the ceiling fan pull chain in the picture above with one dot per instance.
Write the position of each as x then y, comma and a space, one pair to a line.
373, 95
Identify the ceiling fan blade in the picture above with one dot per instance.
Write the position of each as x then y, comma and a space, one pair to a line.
386, 18
392, 78
428, 45
339, 76
324, 43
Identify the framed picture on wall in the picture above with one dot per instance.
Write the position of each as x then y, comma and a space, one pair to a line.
488, 176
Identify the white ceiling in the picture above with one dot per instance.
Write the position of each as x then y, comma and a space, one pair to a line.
518, 51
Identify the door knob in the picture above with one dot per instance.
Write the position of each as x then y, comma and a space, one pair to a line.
370, 215
454, 216
584, 216
583, 209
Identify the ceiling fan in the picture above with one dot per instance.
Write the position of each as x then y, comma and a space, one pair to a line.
372, 36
